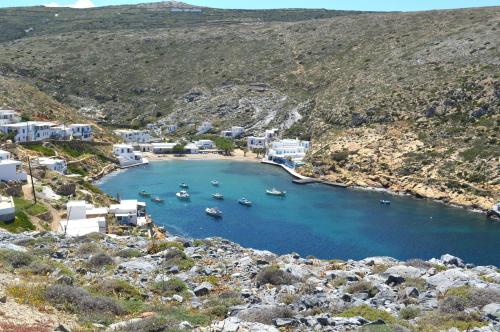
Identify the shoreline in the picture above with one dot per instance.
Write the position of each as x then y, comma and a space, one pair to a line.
238, 156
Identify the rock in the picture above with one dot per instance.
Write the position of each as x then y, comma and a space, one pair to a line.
203, 289
10, 246
122, 325
3, 299
65, 280
185, 326
66, 189
451, 278
492, 311
405, 271
178, 298
394, 280
140, 266
285, 322
452, 260
59, 254
411, 292
174, 269
61, 328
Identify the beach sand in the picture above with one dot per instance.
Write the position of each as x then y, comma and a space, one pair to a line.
237, 155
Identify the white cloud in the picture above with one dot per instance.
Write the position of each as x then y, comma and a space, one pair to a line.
78, 4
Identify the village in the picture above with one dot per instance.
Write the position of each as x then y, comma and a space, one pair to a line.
129, 148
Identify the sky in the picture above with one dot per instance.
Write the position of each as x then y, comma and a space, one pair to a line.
370, 5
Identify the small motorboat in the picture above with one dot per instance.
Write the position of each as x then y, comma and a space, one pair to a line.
157, 199
385, 202
245, 202
218, 196
214, 212
182, 195
183, 185
275, 192
214, 183
144, 193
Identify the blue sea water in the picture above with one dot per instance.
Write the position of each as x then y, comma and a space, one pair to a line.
317, 220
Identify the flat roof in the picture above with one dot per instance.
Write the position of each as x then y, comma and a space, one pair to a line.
10, 162
122, 145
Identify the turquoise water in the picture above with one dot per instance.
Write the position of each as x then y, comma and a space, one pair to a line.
316, 220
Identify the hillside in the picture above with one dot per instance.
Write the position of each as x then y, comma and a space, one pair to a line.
405, 101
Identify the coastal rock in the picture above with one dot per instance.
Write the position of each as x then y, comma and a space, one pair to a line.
203, 289
405, 271
452, 260
492, 311
140, 266
450, 279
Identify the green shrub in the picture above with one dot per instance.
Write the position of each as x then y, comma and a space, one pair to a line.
170, 287
267, 315
368, 313
21, 223
409, 312
273, 275
117, 287
15, 259
362, 287
436, 321
45, 151
156, 247
100, 260
87, 249
219, 306
129, 253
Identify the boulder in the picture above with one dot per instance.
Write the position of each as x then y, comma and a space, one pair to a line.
203, 289
492, 311
285, 322
405, 271
140, 266
411, 292
452, 260
450, 279
394, 280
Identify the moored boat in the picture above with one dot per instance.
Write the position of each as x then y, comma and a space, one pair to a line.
214, 212
214, 183
157, 199
275, 192
218, 196
144, 193
385, 202
244, 201
183, 185
184, 195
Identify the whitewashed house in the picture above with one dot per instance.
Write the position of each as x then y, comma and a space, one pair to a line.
204, 144
146, 147
52, 164
205, 127
288, 151
171, 128
10, 170
134, 136
127, 157
7, 208
30, 131
81, 131
130, 212
9, 117
254, 142
163, 148
191, 148
234, 132
82, 219
270, 134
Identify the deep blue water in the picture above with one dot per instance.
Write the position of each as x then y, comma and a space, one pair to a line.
317, 220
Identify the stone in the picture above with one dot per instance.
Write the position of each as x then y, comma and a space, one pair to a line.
450, 279
492, 311
285, 322
405, 271
178, 298
140, 266
10, 246
411, 292
174, 269
185, 326
394, 280
61, 328
65, 280
452, 260
203, 289
3, 299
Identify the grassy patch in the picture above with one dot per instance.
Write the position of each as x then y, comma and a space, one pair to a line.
45, 151
437, 321
32, 295
368, 313
273, 275
362, 287
20, 224
170, 287
29, 207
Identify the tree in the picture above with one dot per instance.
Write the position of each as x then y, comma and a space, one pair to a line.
178, 149
225, 144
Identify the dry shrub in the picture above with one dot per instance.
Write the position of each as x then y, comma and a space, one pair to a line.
273, 275
266, 315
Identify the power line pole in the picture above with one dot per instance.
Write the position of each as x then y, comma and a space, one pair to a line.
32, 183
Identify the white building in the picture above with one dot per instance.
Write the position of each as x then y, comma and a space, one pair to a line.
10, 170
288, 151
82, 219
254, 142
127, 157
204, 144
7, 209
191, 148
162, 148
9, 117
134, 136
233, 133
171, 128
81, 131
30, 131
52, 164
130, 212
205, 127
270, 134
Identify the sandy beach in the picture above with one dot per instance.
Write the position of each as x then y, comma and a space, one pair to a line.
237, 155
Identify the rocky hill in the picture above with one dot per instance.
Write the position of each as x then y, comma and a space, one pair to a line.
101, 283
404, 101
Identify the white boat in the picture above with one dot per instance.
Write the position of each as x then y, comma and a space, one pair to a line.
183, 185
182, 194
214, 183
218, 196
385, 202
244, 201
214, 212
157, 199
275, 192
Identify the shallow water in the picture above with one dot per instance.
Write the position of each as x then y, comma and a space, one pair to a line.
317, 220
